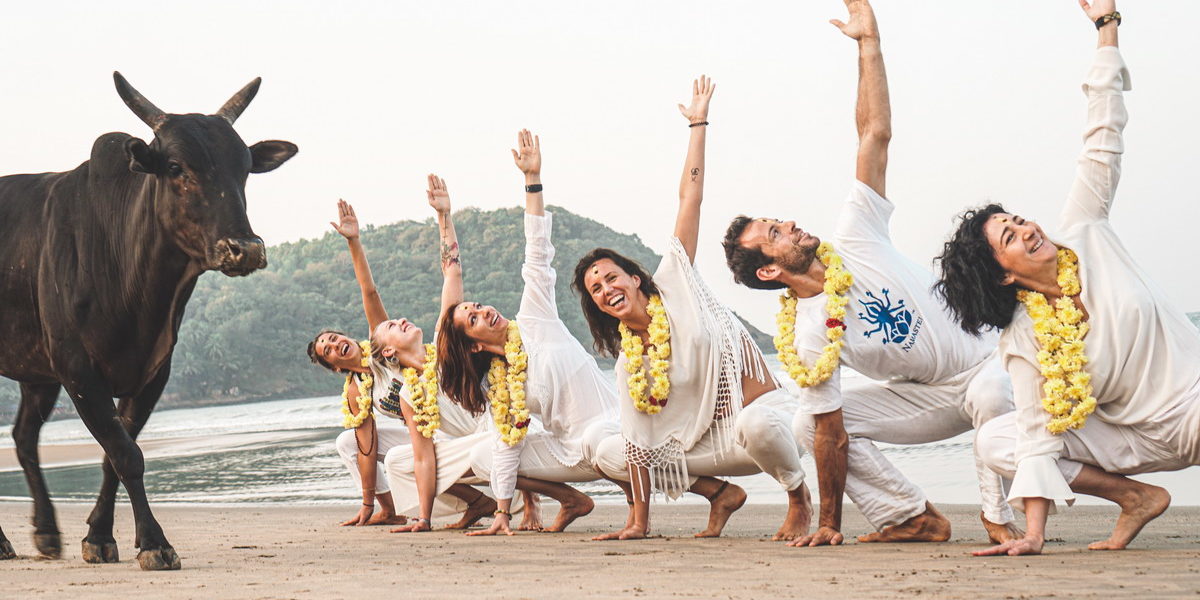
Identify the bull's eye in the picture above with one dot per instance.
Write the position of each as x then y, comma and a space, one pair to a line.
174, 169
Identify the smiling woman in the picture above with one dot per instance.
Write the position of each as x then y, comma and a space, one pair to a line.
534, 368
419, 473
1084, 331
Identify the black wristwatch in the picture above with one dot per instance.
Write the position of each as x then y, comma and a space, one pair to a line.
1106, 19
533, 189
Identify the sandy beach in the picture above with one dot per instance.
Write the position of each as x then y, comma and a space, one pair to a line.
269, 552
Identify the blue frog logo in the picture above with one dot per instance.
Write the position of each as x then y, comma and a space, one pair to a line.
894, 321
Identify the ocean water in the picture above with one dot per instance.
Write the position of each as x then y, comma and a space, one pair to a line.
282, 452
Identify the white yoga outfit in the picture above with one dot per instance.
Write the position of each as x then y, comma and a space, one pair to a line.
933, 381
391, 430
763, 443
1144, 353
458, 434
703, 429
394, 433
564, 389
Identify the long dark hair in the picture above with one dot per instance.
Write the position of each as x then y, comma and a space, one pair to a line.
970, 282
317, 358
606, 338
461, 373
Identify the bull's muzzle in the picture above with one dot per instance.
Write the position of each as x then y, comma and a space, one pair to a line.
236, 257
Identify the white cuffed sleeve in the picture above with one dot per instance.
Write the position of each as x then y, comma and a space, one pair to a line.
1037, 450
505, 461
1099, 167
538, 298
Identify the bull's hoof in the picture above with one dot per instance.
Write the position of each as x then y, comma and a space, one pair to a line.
6, 550
159, 559
104, 552
49, 545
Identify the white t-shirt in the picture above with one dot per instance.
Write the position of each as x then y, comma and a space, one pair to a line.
895, 327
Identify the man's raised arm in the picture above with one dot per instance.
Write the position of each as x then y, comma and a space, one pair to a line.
873, 113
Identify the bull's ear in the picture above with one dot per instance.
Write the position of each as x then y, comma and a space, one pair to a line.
141, 158
268, 155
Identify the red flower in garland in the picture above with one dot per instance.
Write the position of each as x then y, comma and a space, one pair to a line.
831, 323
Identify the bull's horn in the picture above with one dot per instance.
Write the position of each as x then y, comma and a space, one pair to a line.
143, 108
238, 103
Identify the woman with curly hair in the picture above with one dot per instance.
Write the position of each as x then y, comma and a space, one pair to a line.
1105, 371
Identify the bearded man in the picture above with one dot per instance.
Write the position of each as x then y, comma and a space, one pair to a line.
858, 302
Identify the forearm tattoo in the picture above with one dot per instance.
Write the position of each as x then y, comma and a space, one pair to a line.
695, 173
449, 254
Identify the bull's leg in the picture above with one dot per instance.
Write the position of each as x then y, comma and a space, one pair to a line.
37, 400
99, 546
6, 549
95, 408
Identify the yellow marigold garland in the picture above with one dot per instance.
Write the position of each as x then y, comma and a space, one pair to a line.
423, 393
653, 402
837, 281
349, 419
1060, 330
506, 389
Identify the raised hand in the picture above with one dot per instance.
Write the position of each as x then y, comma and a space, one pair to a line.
529, 157
439, 196
1098, 8
347, 224
862, 24
702, 91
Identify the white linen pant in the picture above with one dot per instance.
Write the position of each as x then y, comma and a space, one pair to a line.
1167, 444
539, 462
392, 433
906, 412
453, 457
764, 443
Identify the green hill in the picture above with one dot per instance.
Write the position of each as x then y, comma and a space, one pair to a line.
244, 339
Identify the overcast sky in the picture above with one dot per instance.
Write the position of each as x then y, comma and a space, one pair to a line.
986, 107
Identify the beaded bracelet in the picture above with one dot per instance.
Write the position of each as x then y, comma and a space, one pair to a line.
1106, 19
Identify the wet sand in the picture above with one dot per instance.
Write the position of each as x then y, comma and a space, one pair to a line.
57, 455
293, 551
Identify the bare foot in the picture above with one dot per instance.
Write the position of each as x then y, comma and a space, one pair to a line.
480, 508
631, 532
388, 519
1143, 506
577, 506
531, 517
799, 516
723, 506
929, 526
998, 534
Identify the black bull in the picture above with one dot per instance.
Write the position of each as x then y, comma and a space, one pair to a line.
96, 266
